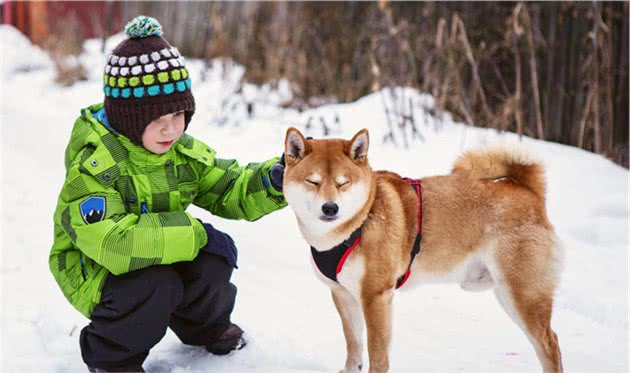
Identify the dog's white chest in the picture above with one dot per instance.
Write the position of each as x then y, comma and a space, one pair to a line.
349, 277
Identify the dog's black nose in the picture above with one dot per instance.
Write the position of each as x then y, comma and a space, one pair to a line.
330, 209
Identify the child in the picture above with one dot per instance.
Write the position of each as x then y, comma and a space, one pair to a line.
125, 253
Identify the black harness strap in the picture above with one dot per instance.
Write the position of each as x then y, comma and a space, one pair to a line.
329, 262
417, 186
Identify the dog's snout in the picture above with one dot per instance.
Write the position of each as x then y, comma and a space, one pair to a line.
330, 209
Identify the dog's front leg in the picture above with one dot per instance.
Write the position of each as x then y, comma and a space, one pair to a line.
377, 307
352, 319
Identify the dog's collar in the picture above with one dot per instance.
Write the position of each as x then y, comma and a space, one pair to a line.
330, 262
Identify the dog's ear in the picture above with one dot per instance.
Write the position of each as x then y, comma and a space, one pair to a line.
294, 145
359, 146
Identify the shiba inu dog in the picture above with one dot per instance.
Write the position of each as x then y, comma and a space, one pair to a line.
484, 226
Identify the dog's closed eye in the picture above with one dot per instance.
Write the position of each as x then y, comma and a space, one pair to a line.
341, 181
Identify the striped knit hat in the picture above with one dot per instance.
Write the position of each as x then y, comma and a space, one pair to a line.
145, 78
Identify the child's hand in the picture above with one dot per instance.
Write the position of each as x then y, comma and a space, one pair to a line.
221, 244
276, 174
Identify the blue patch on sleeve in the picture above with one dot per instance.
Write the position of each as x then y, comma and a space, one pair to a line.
93, 209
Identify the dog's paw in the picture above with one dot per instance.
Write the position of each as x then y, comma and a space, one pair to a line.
355, 369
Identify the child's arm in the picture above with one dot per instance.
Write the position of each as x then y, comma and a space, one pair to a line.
120, 241
235, 192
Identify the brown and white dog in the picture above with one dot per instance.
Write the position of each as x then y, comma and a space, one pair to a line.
484, 226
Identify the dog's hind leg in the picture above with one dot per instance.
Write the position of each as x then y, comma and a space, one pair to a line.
353, 324
524, 287
377, 308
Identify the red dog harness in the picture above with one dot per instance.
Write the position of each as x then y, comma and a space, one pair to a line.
330, 262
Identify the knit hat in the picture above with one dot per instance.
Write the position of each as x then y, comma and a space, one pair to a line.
145, 78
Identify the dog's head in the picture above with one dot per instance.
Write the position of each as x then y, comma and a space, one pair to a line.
326, 182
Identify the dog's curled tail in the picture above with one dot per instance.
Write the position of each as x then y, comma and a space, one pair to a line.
495, 163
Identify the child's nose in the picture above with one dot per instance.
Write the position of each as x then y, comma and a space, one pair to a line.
169, 128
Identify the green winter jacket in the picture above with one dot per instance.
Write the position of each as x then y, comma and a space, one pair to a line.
122, 208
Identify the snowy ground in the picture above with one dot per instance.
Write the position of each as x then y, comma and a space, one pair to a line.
287, 313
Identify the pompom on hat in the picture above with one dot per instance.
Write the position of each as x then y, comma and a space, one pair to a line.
145, 78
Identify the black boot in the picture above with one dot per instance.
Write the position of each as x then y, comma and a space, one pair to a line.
230, 340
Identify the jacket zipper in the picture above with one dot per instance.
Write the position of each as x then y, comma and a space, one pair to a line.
83, 271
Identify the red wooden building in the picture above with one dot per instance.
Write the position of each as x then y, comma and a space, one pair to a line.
39, 19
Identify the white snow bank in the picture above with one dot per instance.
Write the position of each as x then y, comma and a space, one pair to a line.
18, 54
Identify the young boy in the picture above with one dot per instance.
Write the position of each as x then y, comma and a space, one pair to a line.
125, 253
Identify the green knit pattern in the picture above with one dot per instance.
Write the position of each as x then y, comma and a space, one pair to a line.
146, 80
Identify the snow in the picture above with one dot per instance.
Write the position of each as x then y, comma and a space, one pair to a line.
18, 54
288, 315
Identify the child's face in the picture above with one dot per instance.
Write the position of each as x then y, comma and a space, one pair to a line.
161, 134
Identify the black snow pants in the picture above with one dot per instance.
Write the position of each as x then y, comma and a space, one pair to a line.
195, 299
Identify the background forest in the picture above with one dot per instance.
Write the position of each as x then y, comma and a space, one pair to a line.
556, 71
